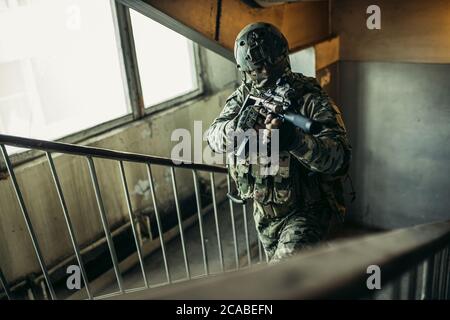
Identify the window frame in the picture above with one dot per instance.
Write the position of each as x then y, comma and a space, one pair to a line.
131, 85
196, 60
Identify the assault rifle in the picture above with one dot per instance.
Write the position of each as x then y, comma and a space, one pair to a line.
281, 102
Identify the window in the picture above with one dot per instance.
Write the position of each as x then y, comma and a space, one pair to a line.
59, 67
304, 61
165, 60
61, 71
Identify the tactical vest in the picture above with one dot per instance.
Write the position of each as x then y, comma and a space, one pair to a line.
273, 192
293, 187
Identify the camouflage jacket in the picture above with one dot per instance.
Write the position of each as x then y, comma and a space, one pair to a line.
310, 173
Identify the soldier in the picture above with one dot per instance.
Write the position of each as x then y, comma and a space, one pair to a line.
293, 208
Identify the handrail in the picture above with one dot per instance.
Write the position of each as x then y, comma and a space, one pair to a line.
333, 272
89, 153
74, 149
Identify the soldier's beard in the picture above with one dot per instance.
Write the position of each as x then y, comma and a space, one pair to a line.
261, 79
261, 82
268, 76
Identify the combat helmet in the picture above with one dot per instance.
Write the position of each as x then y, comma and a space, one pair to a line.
260, 44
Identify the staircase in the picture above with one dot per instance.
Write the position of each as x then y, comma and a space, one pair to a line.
218, 238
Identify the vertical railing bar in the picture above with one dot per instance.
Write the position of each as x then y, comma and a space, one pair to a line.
132, 222
423, 288
69, 224
105, 223
436, 278
200, 220
30, 294
27, 219
429, 277
412, 283
149, 227
236, 254
139, 233
5, 286
44, 290
216, 219
447, 271
260, 250
444, 274
247, 240
180, 222
158, 222
397, 289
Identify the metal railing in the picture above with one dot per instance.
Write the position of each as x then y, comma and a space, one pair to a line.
89, 153
339, 271
414, 262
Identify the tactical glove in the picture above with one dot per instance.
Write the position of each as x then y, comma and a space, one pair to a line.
288, 133
249, 119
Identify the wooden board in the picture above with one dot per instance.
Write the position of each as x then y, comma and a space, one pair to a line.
303, 23
411, 30
327, 52
199, 15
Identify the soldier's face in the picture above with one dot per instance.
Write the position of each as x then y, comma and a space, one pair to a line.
266, 75
260, 76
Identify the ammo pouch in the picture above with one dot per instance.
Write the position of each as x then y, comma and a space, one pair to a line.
273, 194
244, 180
262, 188
282, 181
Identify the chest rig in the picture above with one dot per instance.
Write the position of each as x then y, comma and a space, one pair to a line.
293, 186
272, 189
277, 191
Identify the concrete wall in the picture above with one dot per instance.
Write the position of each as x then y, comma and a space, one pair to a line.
398, 116
411, 30
393, 90
148, 136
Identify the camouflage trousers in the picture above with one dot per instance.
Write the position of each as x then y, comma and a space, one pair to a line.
285, 236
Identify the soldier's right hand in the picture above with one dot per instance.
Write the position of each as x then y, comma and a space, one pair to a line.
250, 118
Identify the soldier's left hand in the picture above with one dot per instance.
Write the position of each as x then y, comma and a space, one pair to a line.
287, 130
272, 122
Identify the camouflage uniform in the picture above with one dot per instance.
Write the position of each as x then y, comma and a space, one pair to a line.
294, 208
